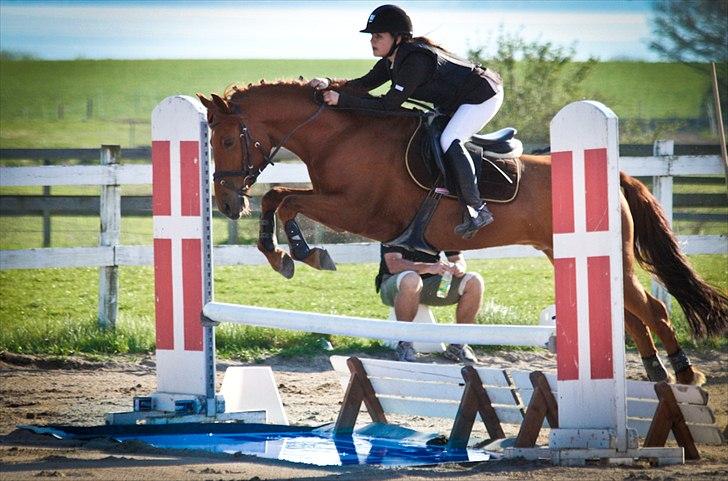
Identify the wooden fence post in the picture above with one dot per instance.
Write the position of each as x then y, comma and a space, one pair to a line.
46, 213
232, 232
662, 190
110, 215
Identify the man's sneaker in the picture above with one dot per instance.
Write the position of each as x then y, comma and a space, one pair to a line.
405, 352
461, 354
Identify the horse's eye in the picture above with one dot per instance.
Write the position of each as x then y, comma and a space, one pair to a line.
228, 143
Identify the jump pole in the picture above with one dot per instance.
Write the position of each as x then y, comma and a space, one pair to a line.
587, 238
185, 354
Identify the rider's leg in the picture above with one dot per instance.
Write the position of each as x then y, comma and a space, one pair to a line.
478, 214
467, 120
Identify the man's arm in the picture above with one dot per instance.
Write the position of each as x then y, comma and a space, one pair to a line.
396, 263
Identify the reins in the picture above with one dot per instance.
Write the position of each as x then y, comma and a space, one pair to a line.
248, 171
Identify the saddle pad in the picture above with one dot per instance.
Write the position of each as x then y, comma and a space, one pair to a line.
491, 180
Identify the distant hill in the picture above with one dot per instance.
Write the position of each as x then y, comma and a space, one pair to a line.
85, 103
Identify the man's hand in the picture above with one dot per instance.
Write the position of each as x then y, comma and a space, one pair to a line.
458, 269
331, 97
439, 268
320, 83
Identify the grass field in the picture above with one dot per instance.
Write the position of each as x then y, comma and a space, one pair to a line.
89, 103
53, 310
86, 103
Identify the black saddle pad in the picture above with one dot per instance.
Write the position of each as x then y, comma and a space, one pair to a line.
498, 179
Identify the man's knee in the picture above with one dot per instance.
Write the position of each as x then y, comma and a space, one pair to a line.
472, 284
409, 282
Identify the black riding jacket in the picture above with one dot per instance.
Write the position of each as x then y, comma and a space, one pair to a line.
423, 72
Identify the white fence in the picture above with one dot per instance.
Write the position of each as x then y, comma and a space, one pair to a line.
110, 254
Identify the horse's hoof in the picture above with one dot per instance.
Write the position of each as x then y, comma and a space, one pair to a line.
287, 267
320, 259
691, 375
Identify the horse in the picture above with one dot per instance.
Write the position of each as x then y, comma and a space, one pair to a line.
360, 184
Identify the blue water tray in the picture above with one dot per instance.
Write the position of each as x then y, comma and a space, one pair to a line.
377, 444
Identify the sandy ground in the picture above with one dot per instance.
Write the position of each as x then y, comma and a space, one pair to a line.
36, 390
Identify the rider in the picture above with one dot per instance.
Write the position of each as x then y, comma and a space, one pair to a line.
421, 70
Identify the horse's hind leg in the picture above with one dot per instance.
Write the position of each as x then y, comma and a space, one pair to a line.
642, 338
653, 315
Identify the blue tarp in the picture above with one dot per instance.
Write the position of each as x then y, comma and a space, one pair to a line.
380, 444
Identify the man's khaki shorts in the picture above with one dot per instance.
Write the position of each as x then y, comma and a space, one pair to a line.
390, 287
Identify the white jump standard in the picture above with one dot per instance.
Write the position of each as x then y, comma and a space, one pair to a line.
592, 405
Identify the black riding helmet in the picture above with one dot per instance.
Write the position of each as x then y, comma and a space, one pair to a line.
390, 19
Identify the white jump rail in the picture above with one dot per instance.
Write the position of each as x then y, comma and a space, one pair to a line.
479, 334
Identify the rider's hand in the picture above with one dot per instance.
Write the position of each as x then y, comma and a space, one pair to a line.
331, 97
320, 83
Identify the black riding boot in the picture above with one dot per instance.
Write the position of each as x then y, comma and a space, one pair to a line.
477, 214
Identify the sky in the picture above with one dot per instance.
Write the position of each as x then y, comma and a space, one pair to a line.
606, 29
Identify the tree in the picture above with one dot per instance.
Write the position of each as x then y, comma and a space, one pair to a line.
691, 30
695, 31
539, 79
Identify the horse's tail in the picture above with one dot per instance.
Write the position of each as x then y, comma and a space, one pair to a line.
657, 250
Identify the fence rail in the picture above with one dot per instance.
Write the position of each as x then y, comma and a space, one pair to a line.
658, 167
109, 255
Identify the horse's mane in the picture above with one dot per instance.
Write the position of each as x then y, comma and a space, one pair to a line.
237, 94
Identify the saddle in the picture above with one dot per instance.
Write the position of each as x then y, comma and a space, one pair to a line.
495, 156
498, 169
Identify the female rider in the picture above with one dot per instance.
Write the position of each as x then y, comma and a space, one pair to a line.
424, 71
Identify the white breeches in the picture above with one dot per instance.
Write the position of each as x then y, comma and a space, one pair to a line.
470, 118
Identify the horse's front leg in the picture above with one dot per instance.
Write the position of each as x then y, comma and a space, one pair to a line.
320, 208
279, 259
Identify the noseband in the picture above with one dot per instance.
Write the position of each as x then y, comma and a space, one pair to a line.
248, 171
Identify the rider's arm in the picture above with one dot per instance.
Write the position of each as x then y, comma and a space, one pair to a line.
377, 76
396, 263
416, 69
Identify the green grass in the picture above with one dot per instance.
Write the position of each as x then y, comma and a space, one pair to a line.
649, 90
53, 310
124, 91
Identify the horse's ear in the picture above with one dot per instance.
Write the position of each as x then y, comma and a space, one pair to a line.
221, 104
205, 101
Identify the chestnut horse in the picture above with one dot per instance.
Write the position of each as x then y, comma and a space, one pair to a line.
360, 184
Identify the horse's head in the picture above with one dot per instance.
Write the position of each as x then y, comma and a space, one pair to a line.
239, 158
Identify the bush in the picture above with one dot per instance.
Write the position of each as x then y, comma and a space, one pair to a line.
539, 79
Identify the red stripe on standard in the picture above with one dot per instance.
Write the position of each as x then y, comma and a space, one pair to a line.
192, 292
163, 295
567, 329
600, 317
189, 153
596, 193
562, 192
161, 198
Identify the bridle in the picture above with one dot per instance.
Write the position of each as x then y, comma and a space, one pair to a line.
248, 171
